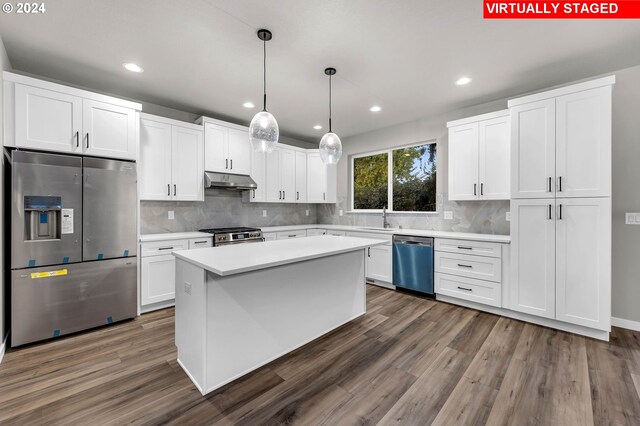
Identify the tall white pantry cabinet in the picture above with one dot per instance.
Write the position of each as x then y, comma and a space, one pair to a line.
561, 204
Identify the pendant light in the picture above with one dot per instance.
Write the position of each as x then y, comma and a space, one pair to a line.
330, 144
263, 130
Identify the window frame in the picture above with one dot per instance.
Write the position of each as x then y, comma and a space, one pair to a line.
389, 152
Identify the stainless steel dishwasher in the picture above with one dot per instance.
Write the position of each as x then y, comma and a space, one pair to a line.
413, 263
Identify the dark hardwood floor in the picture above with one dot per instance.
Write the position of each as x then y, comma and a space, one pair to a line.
408, 361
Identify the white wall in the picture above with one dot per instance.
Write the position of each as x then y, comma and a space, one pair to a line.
4, 65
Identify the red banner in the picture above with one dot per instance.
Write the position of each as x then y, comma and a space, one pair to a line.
621, 9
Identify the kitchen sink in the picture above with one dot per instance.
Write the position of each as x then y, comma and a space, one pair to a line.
379, 228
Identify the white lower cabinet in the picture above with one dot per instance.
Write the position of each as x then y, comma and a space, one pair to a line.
380, 263
157, 270
479, 291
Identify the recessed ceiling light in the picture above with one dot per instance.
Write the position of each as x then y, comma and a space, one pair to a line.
375, 108
132, 67
317, 127
248, 105
463, 80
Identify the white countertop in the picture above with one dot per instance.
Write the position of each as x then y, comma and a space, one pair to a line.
173, 236
494, 238
235, 259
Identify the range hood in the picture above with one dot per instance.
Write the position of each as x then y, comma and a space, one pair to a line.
229, 181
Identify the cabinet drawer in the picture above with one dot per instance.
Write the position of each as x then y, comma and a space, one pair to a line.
195, 243
485, 292
292, 234
372, 235
484, 268
158, 248
479, 248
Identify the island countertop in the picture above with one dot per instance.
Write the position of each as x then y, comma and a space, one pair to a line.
239, 258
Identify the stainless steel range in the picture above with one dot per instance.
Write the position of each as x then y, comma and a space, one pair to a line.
239, 235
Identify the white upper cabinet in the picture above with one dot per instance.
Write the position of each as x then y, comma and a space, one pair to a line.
583, 143
47, 120
154, 168
561, 142
301, 177
321, 179
187, 170
479, 157
583, 261
463, 162
171, 165
532, 283
494, 159
227, 147
533, 147
51, 117
280, 176
108, 130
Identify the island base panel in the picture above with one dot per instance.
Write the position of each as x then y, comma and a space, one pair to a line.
246, 320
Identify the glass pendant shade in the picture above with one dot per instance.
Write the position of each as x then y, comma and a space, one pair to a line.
330, 148
264, 132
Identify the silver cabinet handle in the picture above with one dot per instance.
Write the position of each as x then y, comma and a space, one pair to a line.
175, 189
368, 251
464, 266
284, 197
78, 139
87, 140
291, 236
549, 183
560, 184
465, 248
297, 195
200, 242
324, 196
549, 211
168, 190
279, 195
475, 187
226, 163
465, 289
165, 248
254, 193
482, 189
560, 215
231, 161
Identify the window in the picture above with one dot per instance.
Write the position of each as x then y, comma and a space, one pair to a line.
404, 178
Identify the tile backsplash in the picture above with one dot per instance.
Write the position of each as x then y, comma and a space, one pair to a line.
220, 208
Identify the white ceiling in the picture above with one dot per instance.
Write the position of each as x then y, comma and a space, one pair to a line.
204, 57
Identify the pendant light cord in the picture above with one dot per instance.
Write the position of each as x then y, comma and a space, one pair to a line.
329, 103
264, 73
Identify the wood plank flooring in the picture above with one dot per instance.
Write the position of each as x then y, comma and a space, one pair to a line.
408, 361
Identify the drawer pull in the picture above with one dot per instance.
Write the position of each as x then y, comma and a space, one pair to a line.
465, 248
292, 236
465, 289
464, 266
165, 248
200, 242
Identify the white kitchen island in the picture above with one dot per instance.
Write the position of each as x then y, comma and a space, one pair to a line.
239, 307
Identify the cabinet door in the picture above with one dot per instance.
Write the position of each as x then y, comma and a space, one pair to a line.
47, 120
583, 145
216, 155
258, 169
273, 191
379, 263
154, 166
239, 152
316, 179
583, 262
532, 284
533, 145
187, 171
301, 177
157, 279
463, 162
288, 175
494, 159
109, 130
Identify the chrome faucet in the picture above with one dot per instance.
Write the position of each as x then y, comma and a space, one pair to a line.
385, 222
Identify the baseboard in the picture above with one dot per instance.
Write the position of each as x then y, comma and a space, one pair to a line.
3, 347
625, 323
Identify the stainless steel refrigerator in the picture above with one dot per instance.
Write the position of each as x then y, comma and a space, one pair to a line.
73, 244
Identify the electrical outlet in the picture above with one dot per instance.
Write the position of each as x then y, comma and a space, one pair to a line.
306, 212
632, 218
187, 288
448, 215
507, 216
264, 213
341, 212
171, 215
